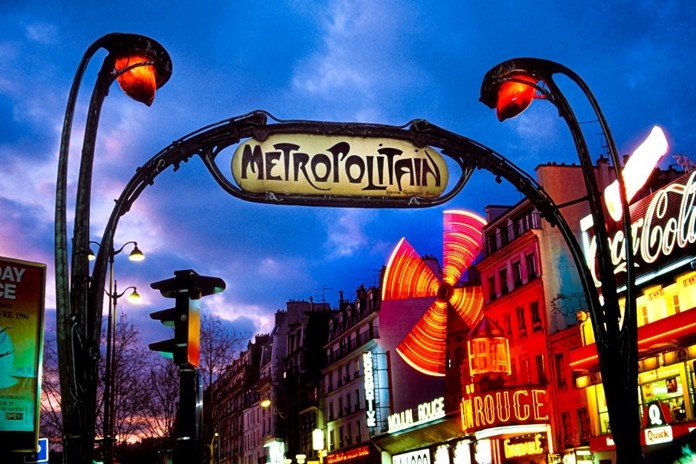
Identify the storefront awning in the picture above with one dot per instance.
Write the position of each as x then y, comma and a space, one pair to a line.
418, 437
669, 332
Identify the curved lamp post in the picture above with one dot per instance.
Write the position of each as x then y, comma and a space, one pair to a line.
510, 87
141, 66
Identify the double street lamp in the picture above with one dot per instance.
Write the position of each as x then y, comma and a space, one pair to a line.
141, 66
110, 364
510, 87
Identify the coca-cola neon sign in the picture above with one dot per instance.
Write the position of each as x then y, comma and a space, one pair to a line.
663, 229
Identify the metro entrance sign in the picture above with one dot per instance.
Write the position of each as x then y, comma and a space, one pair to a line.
307, 163
338, 165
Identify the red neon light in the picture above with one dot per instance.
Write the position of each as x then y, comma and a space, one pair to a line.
408, 276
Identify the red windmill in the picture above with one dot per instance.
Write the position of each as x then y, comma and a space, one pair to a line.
408, 276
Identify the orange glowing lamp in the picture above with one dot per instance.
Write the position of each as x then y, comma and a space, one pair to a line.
515, 95
137, 76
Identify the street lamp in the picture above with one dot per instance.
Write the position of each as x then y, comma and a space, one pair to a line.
141, 66
108, 426
510, 87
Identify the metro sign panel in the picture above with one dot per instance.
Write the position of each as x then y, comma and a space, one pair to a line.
318, 164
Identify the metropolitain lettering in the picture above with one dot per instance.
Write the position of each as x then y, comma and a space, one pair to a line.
316, 164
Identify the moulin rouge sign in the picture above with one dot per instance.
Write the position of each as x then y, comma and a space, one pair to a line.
663, 228
480, 410
316, 164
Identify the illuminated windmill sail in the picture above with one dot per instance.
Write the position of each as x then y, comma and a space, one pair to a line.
408, 276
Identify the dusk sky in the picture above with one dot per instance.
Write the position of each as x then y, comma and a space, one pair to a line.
378, 61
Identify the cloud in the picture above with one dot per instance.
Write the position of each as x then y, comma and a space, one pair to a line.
345, 234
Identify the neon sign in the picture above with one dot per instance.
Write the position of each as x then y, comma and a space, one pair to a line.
348, 455
408, 276
425, 412
663, 229
503, 407
516, 449
369, 389
316, 164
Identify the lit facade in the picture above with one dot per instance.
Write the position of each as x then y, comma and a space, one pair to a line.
664, 233
355, 401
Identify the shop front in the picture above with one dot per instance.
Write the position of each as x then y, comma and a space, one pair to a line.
508, 426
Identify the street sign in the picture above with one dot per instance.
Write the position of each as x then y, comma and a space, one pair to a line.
41, 455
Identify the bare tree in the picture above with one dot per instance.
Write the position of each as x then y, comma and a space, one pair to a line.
130, 360
51, 419
162, 382
218, 346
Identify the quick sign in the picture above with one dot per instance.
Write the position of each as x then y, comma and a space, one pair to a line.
314, 164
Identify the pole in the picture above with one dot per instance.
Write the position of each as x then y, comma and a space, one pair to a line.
616, 343
79, 322
108, 371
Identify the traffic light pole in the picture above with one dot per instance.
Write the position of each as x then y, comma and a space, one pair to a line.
187, 288
188, 438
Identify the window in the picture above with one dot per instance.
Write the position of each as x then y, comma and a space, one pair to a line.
491, 288
532, 271
521, 323
584, 425
675, 303
541, 369
508, 324
502, 273
536, 317
560, 370
568, 440
526, 372
643, 315
517, 274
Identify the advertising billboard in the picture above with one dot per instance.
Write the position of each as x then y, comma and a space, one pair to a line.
22, 289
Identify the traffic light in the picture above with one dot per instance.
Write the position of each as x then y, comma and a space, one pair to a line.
187, 288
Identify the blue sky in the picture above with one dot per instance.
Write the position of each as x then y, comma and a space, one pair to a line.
375, 61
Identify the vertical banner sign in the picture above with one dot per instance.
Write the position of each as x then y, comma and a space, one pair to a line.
22, 289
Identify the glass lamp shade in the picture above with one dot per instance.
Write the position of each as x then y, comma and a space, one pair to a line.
139, 81
514, 96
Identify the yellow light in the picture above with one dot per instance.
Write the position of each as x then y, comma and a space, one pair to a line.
134, 297
137, 77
